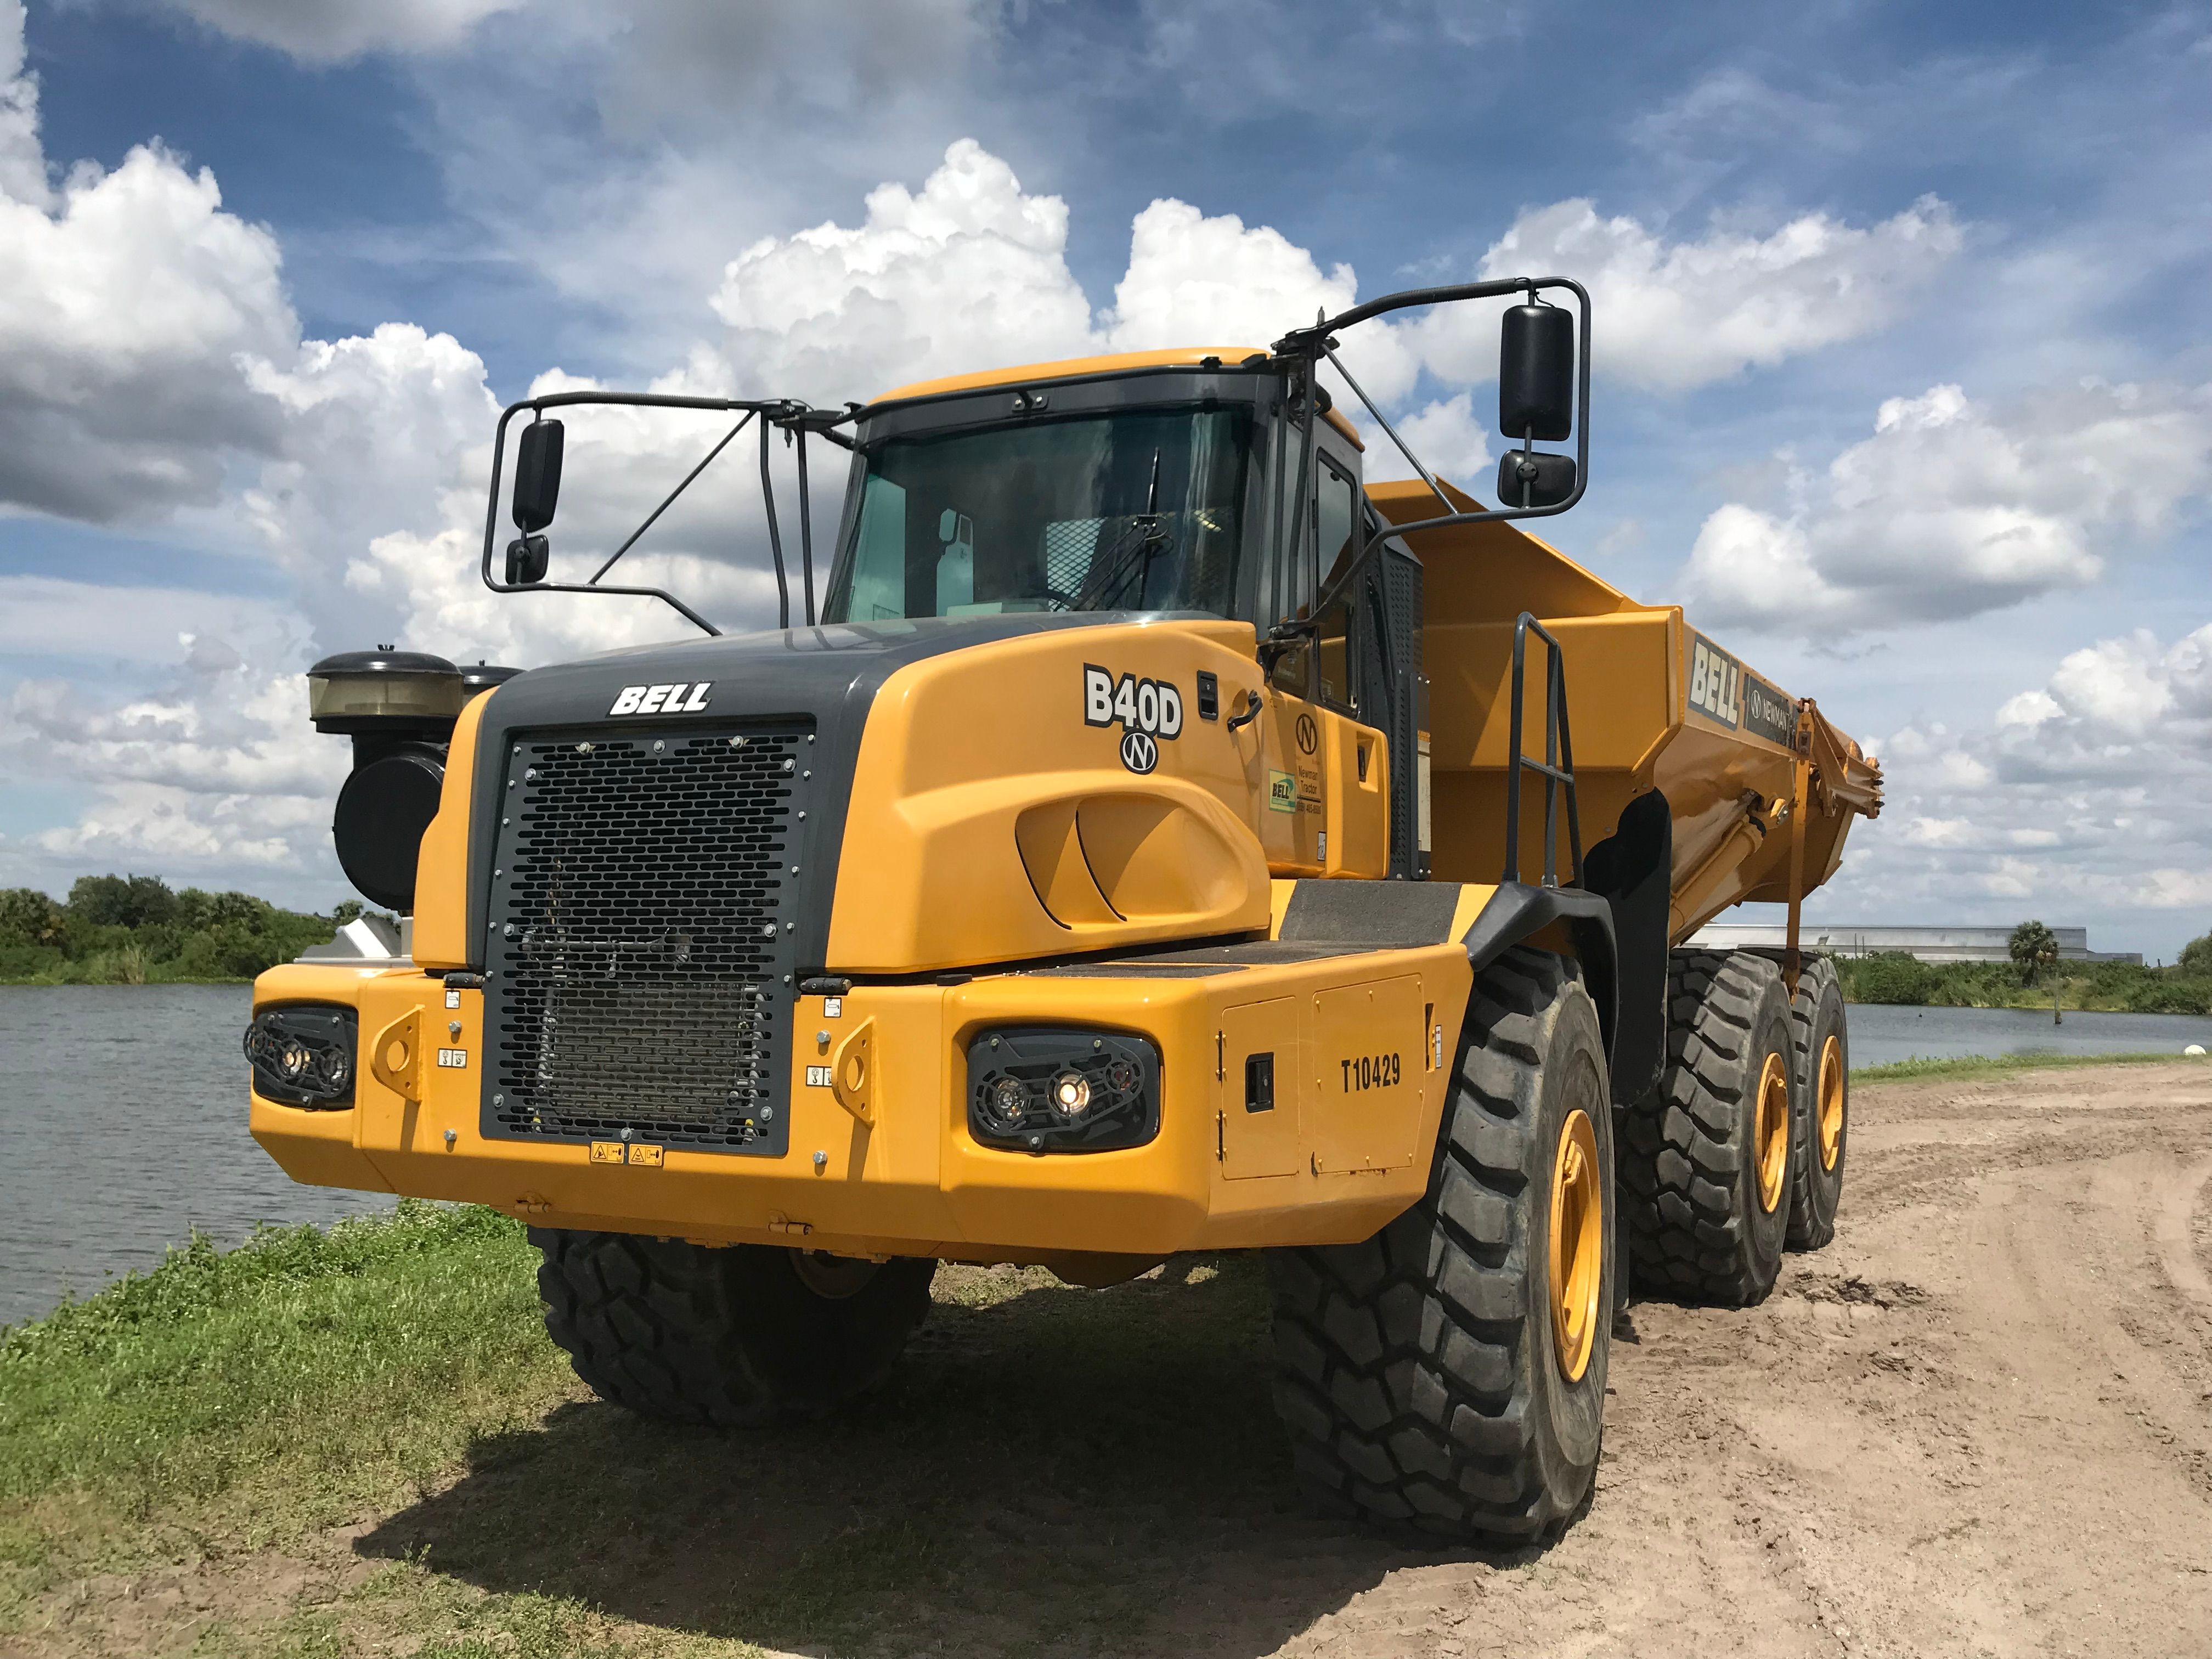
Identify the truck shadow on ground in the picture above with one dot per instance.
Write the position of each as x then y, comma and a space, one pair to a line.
1061, 1470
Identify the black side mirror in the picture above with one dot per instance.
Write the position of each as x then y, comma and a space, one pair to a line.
1536, 375
538, 476
1529, 477
528, 557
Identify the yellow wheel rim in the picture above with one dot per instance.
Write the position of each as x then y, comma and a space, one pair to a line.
1577, 1245
1773, 1130
1831, 1102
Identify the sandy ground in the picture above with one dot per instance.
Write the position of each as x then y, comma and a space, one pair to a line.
1980, 1422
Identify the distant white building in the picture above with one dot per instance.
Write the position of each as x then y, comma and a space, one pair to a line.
1929, 944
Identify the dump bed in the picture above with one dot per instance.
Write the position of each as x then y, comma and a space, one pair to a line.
1653, 704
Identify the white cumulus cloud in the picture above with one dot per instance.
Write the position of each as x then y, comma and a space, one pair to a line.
128, 302
1952, 508
967, 273
1675, 315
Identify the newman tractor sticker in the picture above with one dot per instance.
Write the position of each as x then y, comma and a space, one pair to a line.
1767, 713
1147, 711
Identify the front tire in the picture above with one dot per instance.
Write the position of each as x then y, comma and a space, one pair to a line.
1449, 1373
735, 1337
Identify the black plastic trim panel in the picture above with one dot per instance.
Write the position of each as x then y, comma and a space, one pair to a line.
1379, 913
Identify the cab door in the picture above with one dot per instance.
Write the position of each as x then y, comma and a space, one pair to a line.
1325, 770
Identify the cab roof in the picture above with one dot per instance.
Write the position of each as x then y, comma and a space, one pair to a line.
1068, 368
1072, 368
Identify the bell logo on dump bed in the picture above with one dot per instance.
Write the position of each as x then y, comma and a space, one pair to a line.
1716, 679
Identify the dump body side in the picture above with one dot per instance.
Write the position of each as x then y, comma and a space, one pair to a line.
1653, 705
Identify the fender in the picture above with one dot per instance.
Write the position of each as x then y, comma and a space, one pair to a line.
1632, 868
1517, 910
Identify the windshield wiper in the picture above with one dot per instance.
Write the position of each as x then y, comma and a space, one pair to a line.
1150, 528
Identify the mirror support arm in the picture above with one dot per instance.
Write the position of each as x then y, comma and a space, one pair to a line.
772, 412
1313, 343
805, 530
775, 535
669, 500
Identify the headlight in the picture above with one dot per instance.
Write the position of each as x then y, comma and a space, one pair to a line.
303, 1055
1045, 1088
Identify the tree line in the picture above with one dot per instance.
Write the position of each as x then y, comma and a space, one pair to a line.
136, 930
2035, 976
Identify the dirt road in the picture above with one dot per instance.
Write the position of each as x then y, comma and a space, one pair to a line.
1980, 1422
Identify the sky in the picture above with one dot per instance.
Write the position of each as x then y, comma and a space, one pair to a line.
1903, 379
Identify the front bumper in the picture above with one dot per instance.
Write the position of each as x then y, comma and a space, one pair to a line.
893, 1169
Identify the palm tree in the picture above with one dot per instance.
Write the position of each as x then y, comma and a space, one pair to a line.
2033, 947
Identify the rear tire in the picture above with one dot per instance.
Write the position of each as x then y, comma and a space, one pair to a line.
1705, 1164
1821, 1121
1428, 1376
735, 1337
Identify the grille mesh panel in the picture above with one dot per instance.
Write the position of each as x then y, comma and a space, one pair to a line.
639, 939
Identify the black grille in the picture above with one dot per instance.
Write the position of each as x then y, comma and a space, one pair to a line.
638, 970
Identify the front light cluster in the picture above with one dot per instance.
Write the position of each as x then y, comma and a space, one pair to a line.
303, 1055
1047, 1088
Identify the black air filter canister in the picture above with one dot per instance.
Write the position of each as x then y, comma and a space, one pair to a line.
398, 707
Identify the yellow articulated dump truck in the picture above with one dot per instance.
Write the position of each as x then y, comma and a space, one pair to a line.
1155, 839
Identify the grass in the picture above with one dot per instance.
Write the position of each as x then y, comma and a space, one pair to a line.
231, 1400
1917, 1068
375, 1414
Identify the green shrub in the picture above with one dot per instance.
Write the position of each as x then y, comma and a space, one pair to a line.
1890, 976
21, 963
2171, 995
2196, 956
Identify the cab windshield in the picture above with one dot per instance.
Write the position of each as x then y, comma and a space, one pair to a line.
1138, 510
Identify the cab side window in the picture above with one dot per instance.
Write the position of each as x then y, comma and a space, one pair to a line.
1332, 518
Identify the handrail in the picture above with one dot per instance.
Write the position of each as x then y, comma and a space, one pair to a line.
1558, 766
